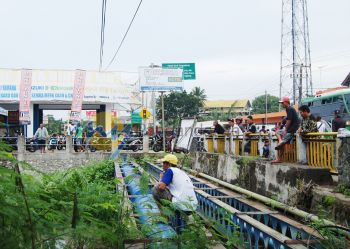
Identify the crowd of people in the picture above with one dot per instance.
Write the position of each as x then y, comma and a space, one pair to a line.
81, 135
290, 124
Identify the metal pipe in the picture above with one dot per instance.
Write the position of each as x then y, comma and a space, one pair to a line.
292, 210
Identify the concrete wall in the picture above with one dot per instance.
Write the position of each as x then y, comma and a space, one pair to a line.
278, 181
344, 161
49, 162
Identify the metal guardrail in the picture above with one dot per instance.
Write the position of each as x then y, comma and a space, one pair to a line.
239, 140
320, 148
231, 213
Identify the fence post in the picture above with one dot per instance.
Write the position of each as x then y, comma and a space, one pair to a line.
145, 142
232, 145
260, 145
227, 144
301, 149
21, 147
69, 144
215, 143
272, 146
338, 144
243, 143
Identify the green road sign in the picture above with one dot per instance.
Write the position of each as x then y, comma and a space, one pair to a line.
189, 70
136, 118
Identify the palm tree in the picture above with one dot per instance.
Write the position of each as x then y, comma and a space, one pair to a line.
199, 93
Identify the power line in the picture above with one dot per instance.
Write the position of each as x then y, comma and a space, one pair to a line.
103, 24
126, 33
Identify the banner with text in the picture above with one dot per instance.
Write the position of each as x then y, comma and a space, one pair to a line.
160, 79
78, 95
25, 94
51, 86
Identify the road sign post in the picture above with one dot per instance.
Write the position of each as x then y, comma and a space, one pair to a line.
189, 69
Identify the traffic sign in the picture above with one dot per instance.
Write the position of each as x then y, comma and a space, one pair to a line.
189, 69
136, 118
145, 114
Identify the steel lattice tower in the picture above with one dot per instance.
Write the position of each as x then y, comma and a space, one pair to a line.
295, 71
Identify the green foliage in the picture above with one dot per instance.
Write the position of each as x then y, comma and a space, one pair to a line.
77, 208
179, 105
54, 126
332, 237
329, 200
343, 189
259, 104
199, 93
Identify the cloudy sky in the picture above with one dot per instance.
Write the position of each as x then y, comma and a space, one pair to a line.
234, 43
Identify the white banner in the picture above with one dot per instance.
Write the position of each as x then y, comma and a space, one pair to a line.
160, 79
53, 86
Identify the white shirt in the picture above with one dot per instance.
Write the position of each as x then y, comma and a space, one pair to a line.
236, 130
182, 190
321, 126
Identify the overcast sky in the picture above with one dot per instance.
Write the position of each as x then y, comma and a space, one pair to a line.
234, 43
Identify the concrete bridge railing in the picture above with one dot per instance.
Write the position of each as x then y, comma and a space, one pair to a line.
313, 149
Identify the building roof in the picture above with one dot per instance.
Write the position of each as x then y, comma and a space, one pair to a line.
272, 114
239, 103
346, 82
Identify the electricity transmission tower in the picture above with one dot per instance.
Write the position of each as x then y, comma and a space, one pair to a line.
295, 70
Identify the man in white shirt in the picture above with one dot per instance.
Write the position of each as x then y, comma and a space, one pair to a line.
175, 185
321, 127
234, 128
41, 134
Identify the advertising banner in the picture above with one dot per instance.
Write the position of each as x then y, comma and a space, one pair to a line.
58, 86
25, 94
78, 95
160, 79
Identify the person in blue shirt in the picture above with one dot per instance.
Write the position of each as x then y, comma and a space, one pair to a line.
175, 185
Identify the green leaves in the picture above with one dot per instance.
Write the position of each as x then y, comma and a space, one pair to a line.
259, 104
178, 105
85, 196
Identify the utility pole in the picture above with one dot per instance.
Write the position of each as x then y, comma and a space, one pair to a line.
163, 126
154, 113
265, 107
295, 50
300, 84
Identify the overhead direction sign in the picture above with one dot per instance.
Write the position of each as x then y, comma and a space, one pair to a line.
189, 69
160, 79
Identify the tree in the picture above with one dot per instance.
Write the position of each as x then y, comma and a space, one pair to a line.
199, 93
259, 104
54, 126
179, 105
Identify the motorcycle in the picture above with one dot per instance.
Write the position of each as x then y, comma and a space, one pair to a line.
53, 142
157, 143
97, 142
31, 144
132, 143
61, 143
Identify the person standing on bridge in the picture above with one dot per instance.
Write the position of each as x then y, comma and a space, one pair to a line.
41, 134
250, 130
307, 123
292, 125
175, 185
338, 122
239, 123
218, 129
